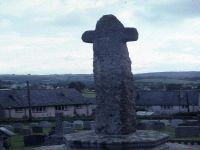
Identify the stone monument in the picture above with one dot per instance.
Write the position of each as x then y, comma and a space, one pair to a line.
59, 129
115, 112
115, 122
58, 137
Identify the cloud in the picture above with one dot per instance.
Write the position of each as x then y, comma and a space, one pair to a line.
44, 36
43, 54
20, 8
154, 61
4, 23
166, 11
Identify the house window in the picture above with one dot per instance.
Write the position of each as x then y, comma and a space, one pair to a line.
19, 110
66, 108
38, 109
169, 107
78, 106
184, 106
61, 107
163, 107
166, 107
147, 107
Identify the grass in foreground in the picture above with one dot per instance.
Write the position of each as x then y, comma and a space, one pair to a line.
17, 142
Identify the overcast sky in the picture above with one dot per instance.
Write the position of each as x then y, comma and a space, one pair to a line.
44, 36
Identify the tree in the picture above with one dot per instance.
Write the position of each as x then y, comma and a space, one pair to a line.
78, 85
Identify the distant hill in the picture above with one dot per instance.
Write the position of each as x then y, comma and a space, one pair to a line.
47, 78
180, 75
88, 78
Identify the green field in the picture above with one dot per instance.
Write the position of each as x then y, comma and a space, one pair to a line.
167, 81
89, 94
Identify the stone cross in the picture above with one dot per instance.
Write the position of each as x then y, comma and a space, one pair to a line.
115, 112
59, 130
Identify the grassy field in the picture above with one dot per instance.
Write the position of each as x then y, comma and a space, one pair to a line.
170, 131
88, 94
167, 81
16, 143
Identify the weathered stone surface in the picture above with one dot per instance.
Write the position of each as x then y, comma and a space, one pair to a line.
150, 125
190, 123
78, 124
67, 124
115, 123
59, 123
175, 146
172, 146
68, 130
57, 137
33, 124
37, 129
187, 131
115, 112
45, 124
166, 122
140, 140
88, 125
54, 140
54, 147
176, 122
32, 140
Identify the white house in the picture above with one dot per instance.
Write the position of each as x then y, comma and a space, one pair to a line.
169, 102
44, 103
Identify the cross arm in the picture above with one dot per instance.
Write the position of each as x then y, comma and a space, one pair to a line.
88, 36
130, 34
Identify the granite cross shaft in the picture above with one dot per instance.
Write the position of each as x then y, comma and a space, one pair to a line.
115, 111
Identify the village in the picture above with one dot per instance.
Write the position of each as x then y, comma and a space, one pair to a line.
29, 110
45, 102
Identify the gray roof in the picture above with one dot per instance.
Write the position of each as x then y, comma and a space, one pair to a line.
18, 98
91, 101
158, 98
7, 99
155, 98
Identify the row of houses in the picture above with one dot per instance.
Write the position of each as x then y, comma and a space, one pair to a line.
169, 102
44, 103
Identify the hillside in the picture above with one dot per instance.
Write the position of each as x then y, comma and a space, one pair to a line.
163, 77
178, 75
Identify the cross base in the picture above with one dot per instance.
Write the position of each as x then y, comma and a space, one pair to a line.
140, 140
